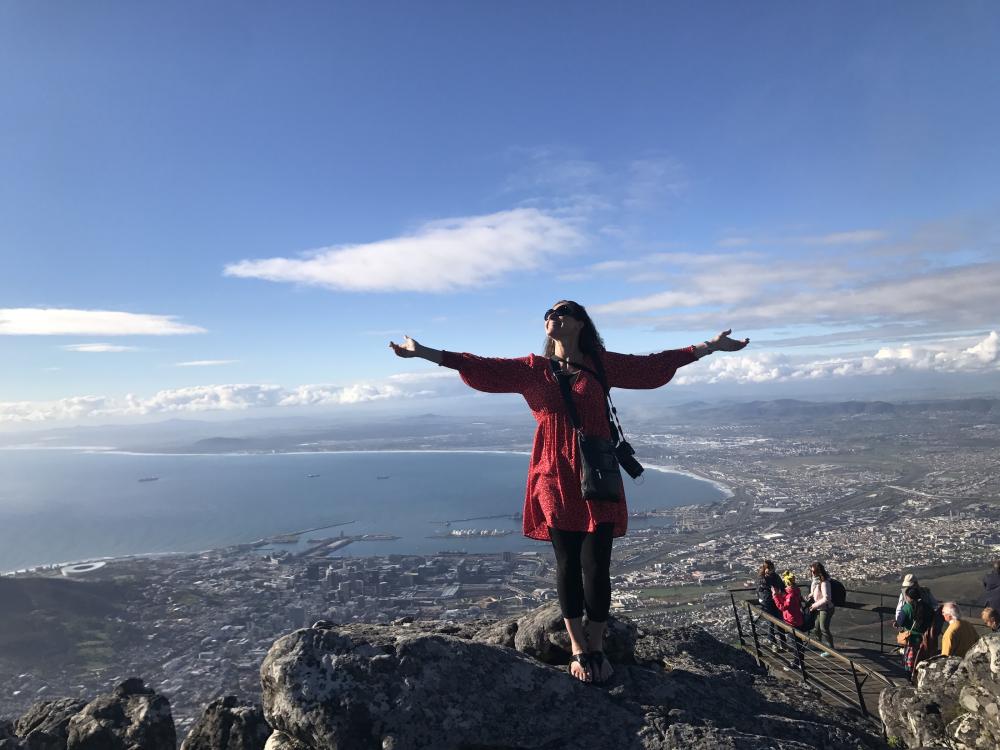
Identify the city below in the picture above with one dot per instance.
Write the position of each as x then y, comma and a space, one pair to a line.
871, 490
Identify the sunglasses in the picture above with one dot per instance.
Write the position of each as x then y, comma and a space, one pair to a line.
561, 311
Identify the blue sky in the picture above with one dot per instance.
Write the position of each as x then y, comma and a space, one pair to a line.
231, 207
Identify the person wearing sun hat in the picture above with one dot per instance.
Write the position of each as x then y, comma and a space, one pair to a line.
789, 603
925, 596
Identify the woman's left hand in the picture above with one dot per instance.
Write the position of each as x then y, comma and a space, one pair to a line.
722, 343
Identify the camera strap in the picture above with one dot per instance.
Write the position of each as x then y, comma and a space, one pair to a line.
617, 431
563, 380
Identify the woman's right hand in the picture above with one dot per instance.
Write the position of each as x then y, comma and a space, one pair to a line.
409, 348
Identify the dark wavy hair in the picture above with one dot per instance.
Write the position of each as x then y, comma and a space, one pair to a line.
819, 571
590, 342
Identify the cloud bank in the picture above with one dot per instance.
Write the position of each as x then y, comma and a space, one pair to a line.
971, 357
226, 397
745, 292
982, 356
440, 256
37, 321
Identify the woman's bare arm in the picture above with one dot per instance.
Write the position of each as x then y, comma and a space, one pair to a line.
721, 343
410, 348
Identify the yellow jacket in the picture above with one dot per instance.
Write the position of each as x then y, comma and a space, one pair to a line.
959, 637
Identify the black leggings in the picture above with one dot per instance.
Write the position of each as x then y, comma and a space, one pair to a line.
583, 571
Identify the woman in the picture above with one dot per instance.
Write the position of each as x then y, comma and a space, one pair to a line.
581, 531
788, 601
767, 581
821, 603
917, 617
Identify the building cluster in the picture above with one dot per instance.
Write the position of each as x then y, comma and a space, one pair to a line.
867, 501
199, 625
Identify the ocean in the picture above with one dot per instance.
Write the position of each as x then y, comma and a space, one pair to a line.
72, 505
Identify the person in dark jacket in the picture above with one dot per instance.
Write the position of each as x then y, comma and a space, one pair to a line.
767, 580
991, 584
917, 620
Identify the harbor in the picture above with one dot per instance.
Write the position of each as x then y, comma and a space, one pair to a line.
322, 547
471, 533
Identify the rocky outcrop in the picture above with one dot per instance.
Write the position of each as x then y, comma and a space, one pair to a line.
133, 716
955, 703
8, 740
46, 725
480, 686
228, 724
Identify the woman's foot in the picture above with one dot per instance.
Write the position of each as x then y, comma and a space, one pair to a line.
601, 666
581, 668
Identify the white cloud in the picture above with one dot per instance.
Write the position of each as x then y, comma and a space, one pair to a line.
441, 256
946, 357
226, 397
658, 301
949, 356
329, 395
99, 348
422, 377
67, 409
37, 321
859, 288
206, 362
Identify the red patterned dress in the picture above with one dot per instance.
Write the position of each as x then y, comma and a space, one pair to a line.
553, 494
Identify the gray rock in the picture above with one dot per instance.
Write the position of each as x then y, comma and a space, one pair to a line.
227, 724
407, 687
937, 671
977, 700
281, 741
916, 718
498, 634
955, 704
542, 634
46, 724
970, 732
8, 740
133, 717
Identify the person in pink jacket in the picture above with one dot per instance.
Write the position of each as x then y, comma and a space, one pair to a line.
789, 603
821, 604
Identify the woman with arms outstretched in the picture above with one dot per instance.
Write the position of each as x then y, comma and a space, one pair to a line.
581, 531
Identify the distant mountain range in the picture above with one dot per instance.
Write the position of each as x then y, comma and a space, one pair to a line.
986, 409
430, 430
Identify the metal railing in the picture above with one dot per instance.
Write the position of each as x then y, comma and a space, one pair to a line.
836, 675
882, 607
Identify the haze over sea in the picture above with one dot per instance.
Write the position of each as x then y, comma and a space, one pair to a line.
60, 506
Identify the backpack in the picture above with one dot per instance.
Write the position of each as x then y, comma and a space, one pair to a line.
838, 593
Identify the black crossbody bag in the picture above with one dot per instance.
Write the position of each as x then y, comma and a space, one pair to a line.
600, 458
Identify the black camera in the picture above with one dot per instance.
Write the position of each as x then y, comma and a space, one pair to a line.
625, 454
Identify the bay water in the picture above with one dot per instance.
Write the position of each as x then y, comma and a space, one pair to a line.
72, 505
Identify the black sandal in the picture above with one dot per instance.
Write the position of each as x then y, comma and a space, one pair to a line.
583, 659
597, 666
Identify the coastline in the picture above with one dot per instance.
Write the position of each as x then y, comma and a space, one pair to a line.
725, 490
104, 559
259, 454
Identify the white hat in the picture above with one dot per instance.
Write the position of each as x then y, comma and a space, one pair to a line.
909, 580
